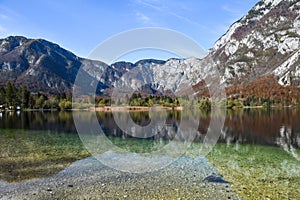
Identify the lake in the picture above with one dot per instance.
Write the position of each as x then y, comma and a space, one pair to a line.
249, 126
257, 154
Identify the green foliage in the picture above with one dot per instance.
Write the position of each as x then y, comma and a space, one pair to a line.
205, 104
40, 102
9, 95
234, 104
24, 97
137, 100
230, 103
2, 96
103, 102
12, 97
65, 104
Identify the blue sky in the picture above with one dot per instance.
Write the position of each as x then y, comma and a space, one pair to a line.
80, 25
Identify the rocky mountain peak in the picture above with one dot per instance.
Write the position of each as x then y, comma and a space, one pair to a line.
27, 62
259, 42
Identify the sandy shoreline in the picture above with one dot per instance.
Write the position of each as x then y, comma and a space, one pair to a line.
132, 108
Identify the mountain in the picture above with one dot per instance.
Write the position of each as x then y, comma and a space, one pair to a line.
43, 66
259, 54
265, 41
261, 50
38, 64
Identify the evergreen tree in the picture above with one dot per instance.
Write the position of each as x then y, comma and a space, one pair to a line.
24, 97
9, 94
2, 96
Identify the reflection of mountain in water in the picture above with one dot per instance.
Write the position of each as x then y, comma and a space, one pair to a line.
286, 141
256, 126
253, 126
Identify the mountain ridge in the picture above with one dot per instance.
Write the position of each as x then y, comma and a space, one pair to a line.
266, 41
261, 40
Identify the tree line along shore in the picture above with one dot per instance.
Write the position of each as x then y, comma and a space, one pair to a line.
19, 98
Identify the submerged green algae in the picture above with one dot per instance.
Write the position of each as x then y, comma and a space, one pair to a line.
258, 172
33, 154
254, 171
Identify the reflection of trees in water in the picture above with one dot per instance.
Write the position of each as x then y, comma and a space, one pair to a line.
167, 128
255, 126
110, 128
140, 118
260, 126
55, 121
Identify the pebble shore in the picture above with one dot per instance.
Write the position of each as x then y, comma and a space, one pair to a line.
184, 178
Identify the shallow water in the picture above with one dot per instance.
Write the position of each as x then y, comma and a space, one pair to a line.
257, 153
89, 178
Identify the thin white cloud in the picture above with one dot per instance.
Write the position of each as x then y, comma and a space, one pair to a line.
235, 13
7, 13
163, 9
231, 11
144, 18
148, 4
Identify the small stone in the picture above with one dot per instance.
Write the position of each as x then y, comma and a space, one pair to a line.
70, 185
